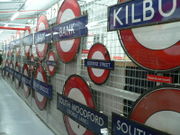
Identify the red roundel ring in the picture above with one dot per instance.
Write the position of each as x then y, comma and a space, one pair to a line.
31, 67
77, 89
99, 52
17, 69
41, 49
18, 49
25, 87
40, 100
51, 57
159, 109
27, 48
67, 49
156, 50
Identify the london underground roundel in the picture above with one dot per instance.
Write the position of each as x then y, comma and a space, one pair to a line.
98, 52
31, 66
17, 69
67, 49
25, 87
154, 47
40, 100
77, 89
41, 49
27, 47
18, 49
51, 63
159, 109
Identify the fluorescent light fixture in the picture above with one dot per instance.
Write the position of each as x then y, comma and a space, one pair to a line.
15, 16
6, 25
5, 0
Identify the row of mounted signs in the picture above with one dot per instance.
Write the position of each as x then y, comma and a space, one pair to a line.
77, 104
154, 47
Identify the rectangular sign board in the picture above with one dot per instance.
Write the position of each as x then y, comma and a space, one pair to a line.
48, 36
156, 78
124, 126
43, 36
43, 88
87, 117
142, 12
39, 37
71, 29
28, 40
102, 64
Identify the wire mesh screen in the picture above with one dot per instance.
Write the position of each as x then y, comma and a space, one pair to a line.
126, 77
126, 83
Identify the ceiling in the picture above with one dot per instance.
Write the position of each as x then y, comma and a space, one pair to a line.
23, 11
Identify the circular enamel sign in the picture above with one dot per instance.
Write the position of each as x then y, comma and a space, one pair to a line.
25, 87
41, 49
154, 47
67, 49
27, 47
98, 52
17, 69
40, 100
77, 89
31, 66
18, 49
51, 63
159, 109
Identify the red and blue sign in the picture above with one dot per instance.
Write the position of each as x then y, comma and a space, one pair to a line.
43, 91
40, 37
159, 109
155, 47
99, 63
28, 40
142, 12
51, 63
125, 126
74, 28
67, 49
77, 89
82, 114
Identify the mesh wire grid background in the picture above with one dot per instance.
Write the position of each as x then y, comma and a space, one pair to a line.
125, 83
126, 77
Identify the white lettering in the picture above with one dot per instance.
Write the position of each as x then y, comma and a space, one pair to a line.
124, 128
149, 8
168, 13
133, 16
116, 17
85, 114
127, 12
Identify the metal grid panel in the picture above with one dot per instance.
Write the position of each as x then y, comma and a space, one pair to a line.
125, 84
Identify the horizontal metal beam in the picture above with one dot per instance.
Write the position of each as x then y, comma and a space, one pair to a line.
22, 11
13, 28
18, 18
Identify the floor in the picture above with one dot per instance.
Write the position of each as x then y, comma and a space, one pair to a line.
16, 118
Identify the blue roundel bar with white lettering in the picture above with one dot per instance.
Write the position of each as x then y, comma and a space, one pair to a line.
159, 109
51, 63
124, 126
71, 26
98, 63
77, 104
156, 46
